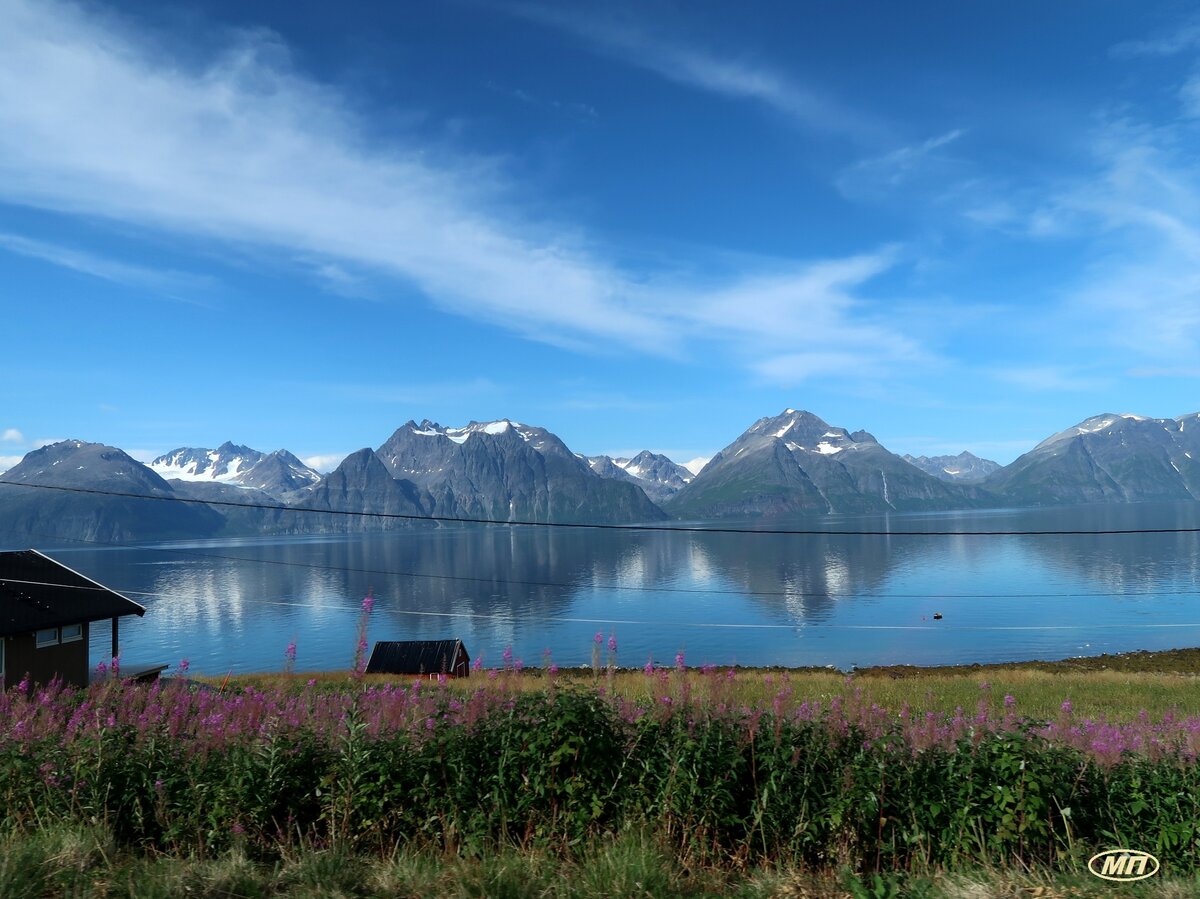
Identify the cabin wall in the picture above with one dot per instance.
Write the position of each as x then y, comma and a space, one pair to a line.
68, 661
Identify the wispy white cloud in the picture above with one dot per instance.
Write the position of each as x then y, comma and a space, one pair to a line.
1141, 216
7, 462
163, 281
324, 462
12, 435
740, 78
570, 107
1165, 371
245, 150
1053, 378
1185, 36
885, 173
812, 322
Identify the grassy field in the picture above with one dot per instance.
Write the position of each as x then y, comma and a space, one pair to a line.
1112, 687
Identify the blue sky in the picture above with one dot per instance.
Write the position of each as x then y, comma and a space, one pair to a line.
643, 225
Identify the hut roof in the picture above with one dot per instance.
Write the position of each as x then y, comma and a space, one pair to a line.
415, 656
37, 592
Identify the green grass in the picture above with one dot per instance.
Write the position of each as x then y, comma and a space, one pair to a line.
81, 863
1116, 687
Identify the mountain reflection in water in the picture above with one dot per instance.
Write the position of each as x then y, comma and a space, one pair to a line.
749, 599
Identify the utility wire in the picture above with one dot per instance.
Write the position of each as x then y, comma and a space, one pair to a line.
687, 529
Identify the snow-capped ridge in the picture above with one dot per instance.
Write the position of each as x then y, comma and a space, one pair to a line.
278, 473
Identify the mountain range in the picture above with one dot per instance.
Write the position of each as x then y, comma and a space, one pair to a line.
504, 470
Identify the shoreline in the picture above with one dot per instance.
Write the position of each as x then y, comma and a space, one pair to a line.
1184, 662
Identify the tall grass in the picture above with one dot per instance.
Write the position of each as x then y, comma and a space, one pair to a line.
717, 772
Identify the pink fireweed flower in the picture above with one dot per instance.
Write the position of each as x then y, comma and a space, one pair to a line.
679, 660
101, 669
507, 655
648, 668
1009, 700
518, 665
477, 665
612, 643
599, 638
368, 602
1066, 706
184, 665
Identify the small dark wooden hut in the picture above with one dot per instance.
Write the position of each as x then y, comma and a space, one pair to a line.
45, 610
420, 657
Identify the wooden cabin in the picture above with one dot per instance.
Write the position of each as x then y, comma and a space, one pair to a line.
428, 658
45, 612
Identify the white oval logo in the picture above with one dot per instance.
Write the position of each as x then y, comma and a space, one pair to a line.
1123, 864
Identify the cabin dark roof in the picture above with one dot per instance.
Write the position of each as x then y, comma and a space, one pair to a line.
37, 592
415, 656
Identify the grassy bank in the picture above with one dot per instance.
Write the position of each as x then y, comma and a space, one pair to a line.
86, 862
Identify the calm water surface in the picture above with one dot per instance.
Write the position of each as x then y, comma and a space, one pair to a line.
753, 599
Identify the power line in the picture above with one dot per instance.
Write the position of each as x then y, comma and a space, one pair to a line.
687, 529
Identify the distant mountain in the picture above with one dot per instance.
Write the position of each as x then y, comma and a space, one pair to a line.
965, 467
361, 483
658, 476
504, 470
1107, 458
29, 515
796, 462
279, 474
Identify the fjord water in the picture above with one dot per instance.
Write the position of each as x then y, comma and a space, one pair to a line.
720, 598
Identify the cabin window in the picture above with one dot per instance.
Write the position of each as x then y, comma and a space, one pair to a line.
46, 637
72, 632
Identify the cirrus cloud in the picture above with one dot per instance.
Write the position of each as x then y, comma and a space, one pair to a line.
243, 149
